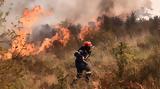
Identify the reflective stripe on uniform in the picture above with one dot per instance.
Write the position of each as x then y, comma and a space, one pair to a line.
89, 72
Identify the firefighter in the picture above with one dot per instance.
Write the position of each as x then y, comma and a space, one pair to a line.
82, 64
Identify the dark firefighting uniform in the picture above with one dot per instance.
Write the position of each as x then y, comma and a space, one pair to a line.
81, 62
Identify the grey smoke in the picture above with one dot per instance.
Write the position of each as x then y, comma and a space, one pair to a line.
39, 33
78, 11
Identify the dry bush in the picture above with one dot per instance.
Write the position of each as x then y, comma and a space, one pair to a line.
132, 64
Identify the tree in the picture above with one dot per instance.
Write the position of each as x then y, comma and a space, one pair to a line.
131, 21
155, 26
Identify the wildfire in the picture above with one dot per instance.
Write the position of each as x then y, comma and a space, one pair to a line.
30, 17
20, 46
84, 32
47, 43
65, 36
6, 56
62, 36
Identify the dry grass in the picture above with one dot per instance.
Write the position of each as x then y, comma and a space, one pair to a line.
133, 65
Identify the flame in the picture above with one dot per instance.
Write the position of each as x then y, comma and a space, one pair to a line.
62, 35
6, 56
65, 36
47, 43
20, 45
84, 32
30, 17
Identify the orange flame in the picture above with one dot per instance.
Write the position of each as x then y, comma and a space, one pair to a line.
30, 17
20, 45
47, 43
84, 32
6, 56
65, 36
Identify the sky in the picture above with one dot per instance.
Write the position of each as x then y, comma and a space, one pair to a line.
156, 4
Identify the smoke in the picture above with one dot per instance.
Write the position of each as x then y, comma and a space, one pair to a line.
39, 33
77, 11
126, 7
33, 15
